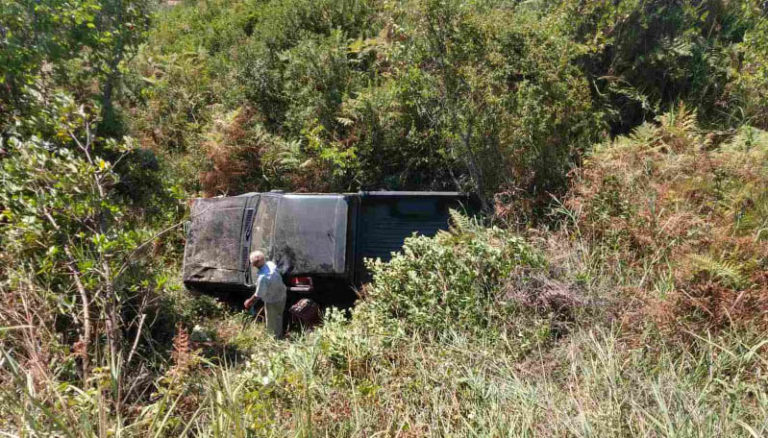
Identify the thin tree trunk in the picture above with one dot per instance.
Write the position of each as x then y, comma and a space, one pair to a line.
86, 337
106, 98
85, 302
475, 171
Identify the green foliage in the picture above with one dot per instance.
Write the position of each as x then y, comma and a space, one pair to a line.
74, 280
728, 272
437, 94
647, 56
52, 197
60, 32
454, 281
81, 45
376, 97
344, 380
476, 331
81, 49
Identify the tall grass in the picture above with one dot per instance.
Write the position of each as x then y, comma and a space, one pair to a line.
589, 386
325, 384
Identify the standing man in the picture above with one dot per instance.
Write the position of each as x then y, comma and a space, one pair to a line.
270, 289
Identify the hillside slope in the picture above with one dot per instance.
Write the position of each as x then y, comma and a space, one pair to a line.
616, 286
644, 315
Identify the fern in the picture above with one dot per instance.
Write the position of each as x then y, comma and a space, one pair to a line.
459, 222
729, 272
289, 155
644, 134
680, 121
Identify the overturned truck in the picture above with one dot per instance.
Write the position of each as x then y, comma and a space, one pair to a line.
318, 241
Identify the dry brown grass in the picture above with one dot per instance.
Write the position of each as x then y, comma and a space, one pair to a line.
685, 210
233, 153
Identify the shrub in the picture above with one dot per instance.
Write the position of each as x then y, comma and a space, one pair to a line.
647, 56
436, 94
78, 291
372, 96
453, 281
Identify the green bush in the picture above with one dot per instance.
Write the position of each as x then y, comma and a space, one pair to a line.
373, 96
78, 288
454, 281
646, 57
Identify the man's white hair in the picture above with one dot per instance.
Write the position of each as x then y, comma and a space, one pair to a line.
255, 255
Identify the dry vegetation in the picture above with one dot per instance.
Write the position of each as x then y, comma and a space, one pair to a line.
685, 211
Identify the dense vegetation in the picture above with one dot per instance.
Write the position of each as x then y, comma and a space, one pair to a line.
485, 96
617, 285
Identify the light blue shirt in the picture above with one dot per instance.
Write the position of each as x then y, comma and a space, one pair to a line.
269, 284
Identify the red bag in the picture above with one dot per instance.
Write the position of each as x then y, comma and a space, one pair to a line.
306, 312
